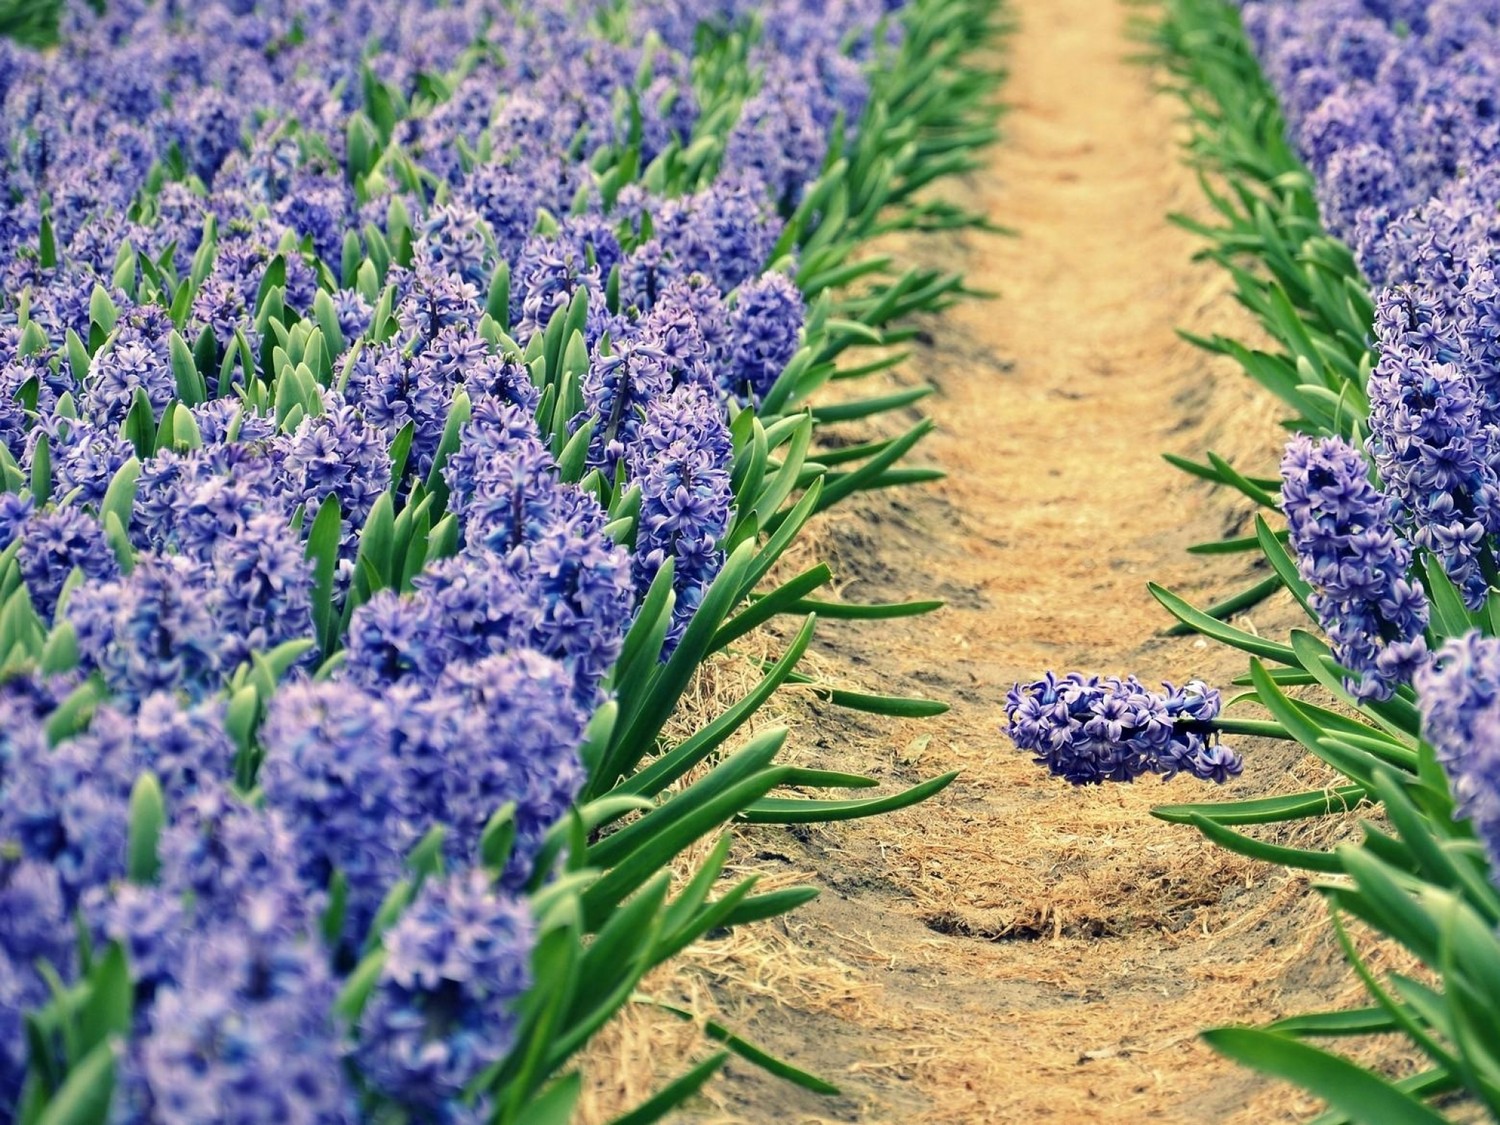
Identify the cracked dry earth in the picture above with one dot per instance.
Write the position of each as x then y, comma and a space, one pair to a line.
1015, 950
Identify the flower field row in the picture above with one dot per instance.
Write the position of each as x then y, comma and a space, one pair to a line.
1349, 152
400, 403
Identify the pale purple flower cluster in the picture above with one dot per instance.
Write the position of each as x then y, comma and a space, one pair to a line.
1349, 552
364, 772
340, 454
231, 989
1432, 442
779, 138
44, 864
179, 624
66, 806
34, 928
1090, 730
189, 503
1390, 105
566, 584
85, 457
764, 332
680, 456
234, 992
244, 1034
443, 1010
726, 231
55, 542
1459, 693
331, 762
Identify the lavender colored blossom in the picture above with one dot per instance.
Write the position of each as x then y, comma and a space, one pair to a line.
1386, 83
550, 536
15, 510
458, 241
548, 275
316, 207
582, 584
246, 1035
443, 1010
1349, 552
56, 542
496, 381
336, 454
645, 274
223, 421
220, 853
34, 912
354, 313
1431, 443
393, 388
209, 129
64, 811
150, 923
1090, 730
186, 749
616, 389
192, 503
1459, 695
436, 300
34, 388
463, 609
509, 196
680, 457
153, 630
765, 327
727, 231
33, 928
331, 767
85, 457
530, 724
779, 140
68, 808
115, 377
671, 329
496, 426
392, 638
263, 580
221, 308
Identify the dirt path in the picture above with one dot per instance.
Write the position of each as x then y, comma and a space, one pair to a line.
1015, 950
1019, 951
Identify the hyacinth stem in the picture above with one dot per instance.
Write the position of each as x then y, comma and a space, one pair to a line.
1258, 728
1490, 568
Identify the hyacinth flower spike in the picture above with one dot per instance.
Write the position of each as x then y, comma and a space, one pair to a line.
1348, 550
1089, 730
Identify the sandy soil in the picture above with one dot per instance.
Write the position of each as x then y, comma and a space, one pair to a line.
1015, 950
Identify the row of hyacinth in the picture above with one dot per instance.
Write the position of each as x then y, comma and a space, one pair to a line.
183, 183
1391, 104
1392, 107
1383, 344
